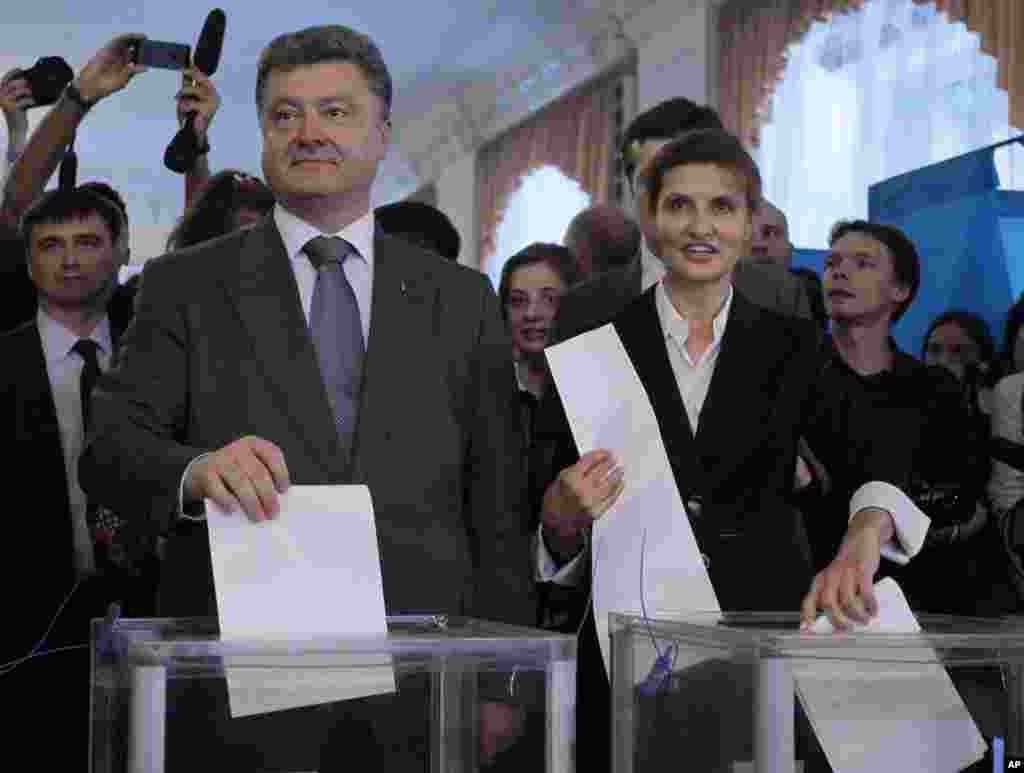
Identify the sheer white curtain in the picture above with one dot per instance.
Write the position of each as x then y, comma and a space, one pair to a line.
874, 93
539, 210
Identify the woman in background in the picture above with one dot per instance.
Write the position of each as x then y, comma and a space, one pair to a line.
532, 283
230, 200
960, 342
1012, 354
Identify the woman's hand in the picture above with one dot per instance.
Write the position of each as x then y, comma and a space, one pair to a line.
577, 497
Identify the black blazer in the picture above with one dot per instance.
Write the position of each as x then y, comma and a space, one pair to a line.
220, 349
736, 474
38, 532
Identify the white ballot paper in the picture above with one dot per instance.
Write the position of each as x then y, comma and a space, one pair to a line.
607, 407
310, 574
876, 717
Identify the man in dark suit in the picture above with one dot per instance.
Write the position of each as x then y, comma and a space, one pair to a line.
71, 238
222, 391
597, 301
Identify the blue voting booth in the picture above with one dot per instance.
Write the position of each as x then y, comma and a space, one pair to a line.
970, 236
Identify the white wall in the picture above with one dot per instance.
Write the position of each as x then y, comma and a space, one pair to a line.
675, 57
456, 197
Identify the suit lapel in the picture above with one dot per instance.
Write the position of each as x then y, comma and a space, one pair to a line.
39, 430
39, 409
254, 277
635, 277
644, 340
742, 390
743, 387
403, 320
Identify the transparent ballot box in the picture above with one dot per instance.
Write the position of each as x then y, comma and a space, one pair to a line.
435, 694
738, 692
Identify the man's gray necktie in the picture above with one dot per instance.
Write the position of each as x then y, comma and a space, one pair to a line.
337, 332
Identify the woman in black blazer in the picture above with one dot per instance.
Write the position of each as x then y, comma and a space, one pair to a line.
733, 386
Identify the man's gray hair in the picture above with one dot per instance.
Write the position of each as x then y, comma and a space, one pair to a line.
327, 43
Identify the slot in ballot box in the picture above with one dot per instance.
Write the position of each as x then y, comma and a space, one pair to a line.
437, 693
738, 692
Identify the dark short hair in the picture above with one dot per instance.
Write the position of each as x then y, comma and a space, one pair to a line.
326, 43
107, 191
421, 224
1014, 323
613, 236
706, 146
972, 324
212, 212
60, 206
665, 121
906, 263
557, 257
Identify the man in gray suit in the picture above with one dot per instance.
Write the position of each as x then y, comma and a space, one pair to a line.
597, 301
222, 391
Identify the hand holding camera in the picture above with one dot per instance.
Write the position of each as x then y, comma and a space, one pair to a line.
111, 68
15, 100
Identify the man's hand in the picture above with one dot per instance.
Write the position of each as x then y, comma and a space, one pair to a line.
578, 496
110, 68
15, 100
246, 475
198, 95
844, 590
501, 725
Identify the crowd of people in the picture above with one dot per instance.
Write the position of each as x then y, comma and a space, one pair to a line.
273, 343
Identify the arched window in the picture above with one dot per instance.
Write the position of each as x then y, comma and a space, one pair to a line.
871, 94
539, 210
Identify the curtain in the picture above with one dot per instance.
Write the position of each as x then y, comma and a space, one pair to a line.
753, 38
1000, 25
872, 94
572, 135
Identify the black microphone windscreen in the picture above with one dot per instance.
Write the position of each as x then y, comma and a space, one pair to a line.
68, 171
211, 41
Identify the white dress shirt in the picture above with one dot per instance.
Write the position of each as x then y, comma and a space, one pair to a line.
652, 269
64, 369
295, 233
692, 378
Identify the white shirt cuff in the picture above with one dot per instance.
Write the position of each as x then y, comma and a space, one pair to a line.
571, 574
181, 492
911, 524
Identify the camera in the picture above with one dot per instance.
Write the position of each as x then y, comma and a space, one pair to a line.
47, 79
160, 53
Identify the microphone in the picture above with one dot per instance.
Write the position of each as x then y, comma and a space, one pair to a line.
68, 174
182, 152
211, 41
